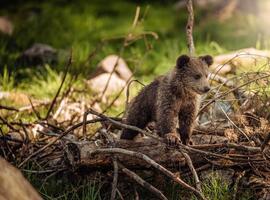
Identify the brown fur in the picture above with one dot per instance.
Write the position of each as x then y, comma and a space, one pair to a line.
172, 97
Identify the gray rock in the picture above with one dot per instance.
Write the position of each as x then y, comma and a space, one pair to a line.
110, 62
98, 84
38, 54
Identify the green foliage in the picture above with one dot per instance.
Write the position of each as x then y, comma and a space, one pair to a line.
7, 80
44, 83
52, 187
214, 188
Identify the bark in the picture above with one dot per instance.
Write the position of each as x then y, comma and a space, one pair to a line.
79, 154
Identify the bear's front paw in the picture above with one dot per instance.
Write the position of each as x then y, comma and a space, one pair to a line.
172, 139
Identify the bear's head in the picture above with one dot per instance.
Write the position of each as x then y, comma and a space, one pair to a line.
193, 72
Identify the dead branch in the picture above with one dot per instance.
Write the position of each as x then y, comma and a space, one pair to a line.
143, 183
61, 85
193, 171
8, 108
56, 139
150, 162
231, 90
115, 178
189, 27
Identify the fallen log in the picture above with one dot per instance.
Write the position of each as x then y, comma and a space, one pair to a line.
82, 154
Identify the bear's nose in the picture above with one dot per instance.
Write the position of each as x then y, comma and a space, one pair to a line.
206, 89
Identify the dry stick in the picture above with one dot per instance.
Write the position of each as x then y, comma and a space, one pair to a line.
229, 145
137, 14
111, 73
135, 21
115, 178
224, 81
118, 95
24, 108
120, 195
231, 90
143, 183
8, 108
189, 27
191, 47
193, 171
8, 124
152, 163
239, 129
127, 92
58, 138
124, 125
34, 109
61, 85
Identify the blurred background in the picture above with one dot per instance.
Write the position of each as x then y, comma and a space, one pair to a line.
36, 37
220, 26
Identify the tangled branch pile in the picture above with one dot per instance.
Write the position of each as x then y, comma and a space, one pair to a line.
233, 132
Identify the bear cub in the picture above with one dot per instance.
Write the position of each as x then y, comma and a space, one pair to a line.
171, 99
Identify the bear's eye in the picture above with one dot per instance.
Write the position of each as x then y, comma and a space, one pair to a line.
197, 76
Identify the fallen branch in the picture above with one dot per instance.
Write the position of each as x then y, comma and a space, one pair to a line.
143, 183
150, 162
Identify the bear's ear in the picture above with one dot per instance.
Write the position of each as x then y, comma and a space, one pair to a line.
207, 59
182, 61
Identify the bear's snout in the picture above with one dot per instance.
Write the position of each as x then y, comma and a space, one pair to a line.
206, 89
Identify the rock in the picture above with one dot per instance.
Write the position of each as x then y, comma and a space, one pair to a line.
6, 25
17, 98
107, 65
99, 83
240, 58
220, 69
38, 54
14, 185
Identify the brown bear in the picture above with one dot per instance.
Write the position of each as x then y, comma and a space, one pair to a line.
171, 98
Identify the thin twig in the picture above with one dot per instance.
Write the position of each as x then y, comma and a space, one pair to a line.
115, 178
61, 85
231, 90
58, 138
189, 27
193, 171
143, 183
8, 108
239, 129
34, 109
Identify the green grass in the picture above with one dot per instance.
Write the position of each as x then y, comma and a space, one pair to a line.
7, 80
214, 187
51, 187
